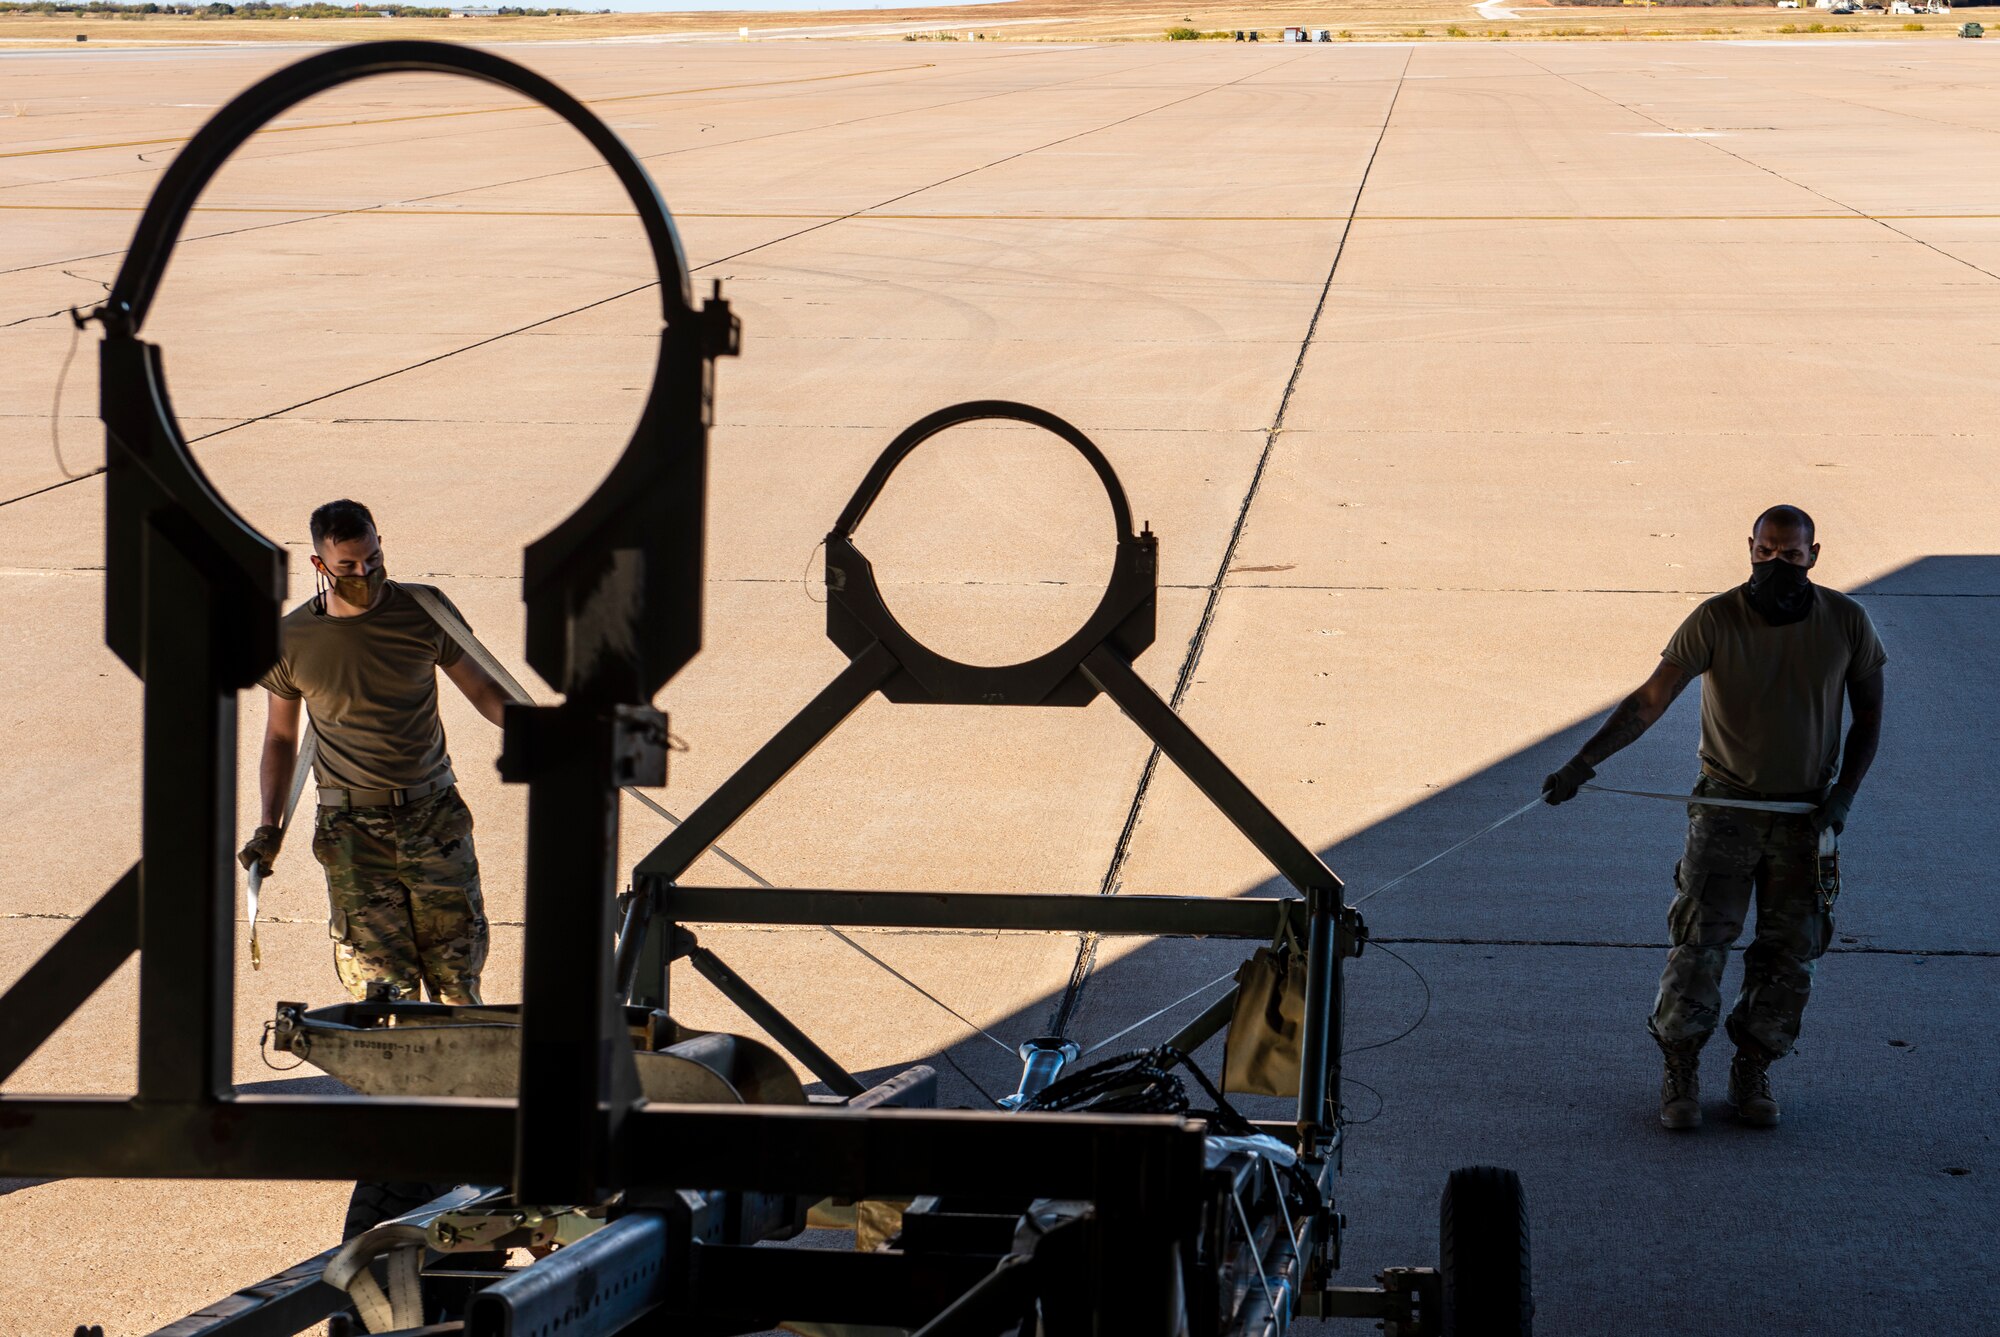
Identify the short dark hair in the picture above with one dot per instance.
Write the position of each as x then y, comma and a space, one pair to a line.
1790, 517
340, 521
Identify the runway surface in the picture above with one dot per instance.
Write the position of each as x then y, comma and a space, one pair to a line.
1450, 380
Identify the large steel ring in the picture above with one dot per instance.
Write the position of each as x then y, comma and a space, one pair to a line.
857, 616
613, 592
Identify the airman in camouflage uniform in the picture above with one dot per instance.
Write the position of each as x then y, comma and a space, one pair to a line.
1732, 857
392, 833
403, 884
1779, 657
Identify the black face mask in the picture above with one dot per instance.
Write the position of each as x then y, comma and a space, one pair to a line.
1781, 592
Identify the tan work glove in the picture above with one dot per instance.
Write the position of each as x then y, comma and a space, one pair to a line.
262, 851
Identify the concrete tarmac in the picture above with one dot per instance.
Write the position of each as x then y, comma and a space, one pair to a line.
1450, 379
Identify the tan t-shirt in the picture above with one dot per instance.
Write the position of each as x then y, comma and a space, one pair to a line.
370, 683
1771, 705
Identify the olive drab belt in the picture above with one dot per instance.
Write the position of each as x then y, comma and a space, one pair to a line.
383, 798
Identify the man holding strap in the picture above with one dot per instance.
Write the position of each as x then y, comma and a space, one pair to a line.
1778, 653
391, 831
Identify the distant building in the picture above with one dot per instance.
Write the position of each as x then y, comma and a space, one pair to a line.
475, 13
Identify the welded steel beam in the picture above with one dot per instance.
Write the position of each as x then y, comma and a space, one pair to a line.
823, 1150
775, 1023
1149, 916
593, 1288
187, 818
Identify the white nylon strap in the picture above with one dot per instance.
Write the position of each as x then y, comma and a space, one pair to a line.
1829, 840
1752, 804
462, 636
401, 1306
301, 768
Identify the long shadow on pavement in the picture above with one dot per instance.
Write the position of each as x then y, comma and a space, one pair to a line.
1870, 1211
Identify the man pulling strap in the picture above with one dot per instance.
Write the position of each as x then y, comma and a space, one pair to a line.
391, 831
1778, 652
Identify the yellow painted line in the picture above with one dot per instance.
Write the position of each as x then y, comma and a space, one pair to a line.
1029, 218
474, 111
1659, 218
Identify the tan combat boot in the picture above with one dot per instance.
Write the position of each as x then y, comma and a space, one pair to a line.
1750, 1089
1680, 1091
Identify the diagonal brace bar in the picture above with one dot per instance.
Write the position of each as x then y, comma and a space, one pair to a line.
773, 762
1287, 853
780, 1027
69, 972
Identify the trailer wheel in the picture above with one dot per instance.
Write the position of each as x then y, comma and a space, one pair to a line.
1483, 1254
377, 1200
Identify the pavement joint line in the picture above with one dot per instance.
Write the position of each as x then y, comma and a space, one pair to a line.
470, 111
44, 572
543, 176
1851, 215
1856, 950
1770, 171
1071, 999
695, 269
781, 134
1607, 944
327, 211
692, 270
205, 236
80, 572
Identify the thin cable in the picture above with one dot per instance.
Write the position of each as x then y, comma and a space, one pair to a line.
1380, 1103
1534, 802
1109, 1039
1408, 1030
766, 883
55, 409
1250, 1238
1002, 1045
264, 1053
805, 575
945, 1054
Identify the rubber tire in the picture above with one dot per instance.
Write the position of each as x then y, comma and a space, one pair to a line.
1483, 1254
377, 1200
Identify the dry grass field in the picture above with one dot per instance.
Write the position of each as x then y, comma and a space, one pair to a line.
1033, 20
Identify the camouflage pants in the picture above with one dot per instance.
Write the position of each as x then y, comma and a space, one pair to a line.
1734, 856
403, 885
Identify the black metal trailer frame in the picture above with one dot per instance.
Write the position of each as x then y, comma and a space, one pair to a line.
1118, 1209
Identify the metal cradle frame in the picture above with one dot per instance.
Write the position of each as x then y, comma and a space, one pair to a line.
613, 595
884, 657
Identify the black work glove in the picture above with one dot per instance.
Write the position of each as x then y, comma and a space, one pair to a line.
262, 850
1561, 787
1833, 811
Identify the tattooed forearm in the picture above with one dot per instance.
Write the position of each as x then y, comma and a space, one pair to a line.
1630, 720
1635, 714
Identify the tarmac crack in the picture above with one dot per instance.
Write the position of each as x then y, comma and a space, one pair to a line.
1086, 956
